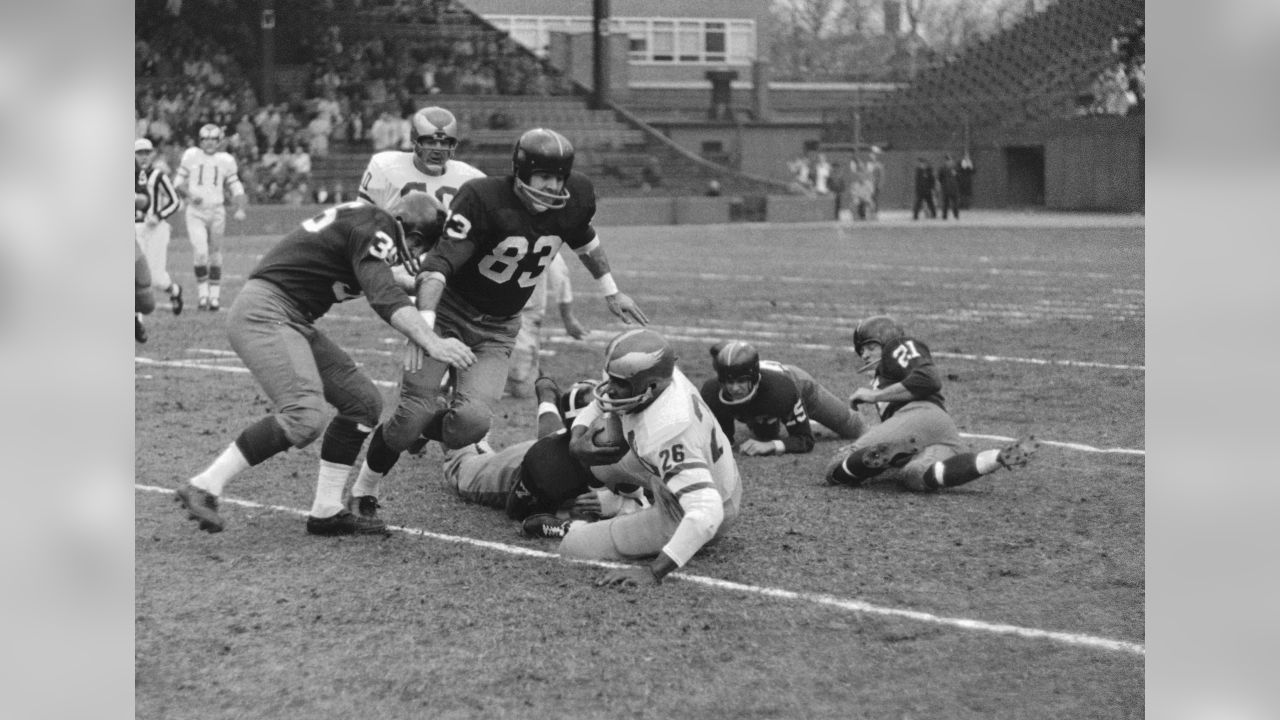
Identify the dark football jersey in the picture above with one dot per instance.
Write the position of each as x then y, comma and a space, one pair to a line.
139, 188
908, 361
342, 253
494, 249
777, 404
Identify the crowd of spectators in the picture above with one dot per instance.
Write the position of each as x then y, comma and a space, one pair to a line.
1121, 87
359, 92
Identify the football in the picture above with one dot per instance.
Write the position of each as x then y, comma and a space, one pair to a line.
140, 201
606, 431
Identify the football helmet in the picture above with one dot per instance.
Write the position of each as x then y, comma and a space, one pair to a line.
542, 150
879, 329
419, 219
575, 399
638, 365
734, 362
210, 137
435, 135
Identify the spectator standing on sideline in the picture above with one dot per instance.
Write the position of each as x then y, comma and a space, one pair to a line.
150, 223
205, 174
924, 180
876, 168
499, 238
861, 189
916, 443
556, 287
345, 252
964, 174
821, 174
949, 184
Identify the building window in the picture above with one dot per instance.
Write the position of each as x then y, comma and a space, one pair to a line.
664, 41
677, 41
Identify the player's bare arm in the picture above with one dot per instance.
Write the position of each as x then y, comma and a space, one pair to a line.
429, 287
621, 305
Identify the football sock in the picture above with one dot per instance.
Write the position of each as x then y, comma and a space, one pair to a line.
366, 482
228, 464
215, 282
331, 482
549, 420
955, 470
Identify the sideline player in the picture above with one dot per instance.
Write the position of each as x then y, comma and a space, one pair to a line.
345, 252
430, 168
917, 443
691, 472
150, 223
205, 174
500, 235
770, 398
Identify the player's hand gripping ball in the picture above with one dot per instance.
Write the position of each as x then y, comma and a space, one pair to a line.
608, 444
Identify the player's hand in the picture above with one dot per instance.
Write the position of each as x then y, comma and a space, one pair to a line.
587, 504
625, 308
751, 446
575, 329
239, 214
452, 351
861, 395
628, 577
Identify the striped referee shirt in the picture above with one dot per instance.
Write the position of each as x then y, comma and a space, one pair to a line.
156, 185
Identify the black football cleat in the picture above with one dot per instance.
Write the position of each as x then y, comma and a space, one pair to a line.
346, 523
139, 330
364, 506
214, 305
201, 506
544, 525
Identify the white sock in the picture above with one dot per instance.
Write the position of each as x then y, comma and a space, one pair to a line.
215, 292
329, 486
366, 482
202, 289
987, 462
228, 464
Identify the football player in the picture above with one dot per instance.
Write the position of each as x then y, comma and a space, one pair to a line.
150, 218
916, 443
430, 168
540, 475
689, 464
499, 237
345, 252
772, 399
205, 175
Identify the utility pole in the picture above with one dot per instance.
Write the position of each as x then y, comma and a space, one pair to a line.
600, 55
267, 88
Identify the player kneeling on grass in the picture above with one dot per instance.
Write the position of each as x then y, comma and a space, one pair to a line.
540, 475
346, 252
776, 402
917, 442
690, 470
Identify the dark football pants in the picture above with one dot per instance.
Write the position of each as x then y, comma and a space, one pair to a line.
298, 366
464, 419
144, 301
934, 431
822, 405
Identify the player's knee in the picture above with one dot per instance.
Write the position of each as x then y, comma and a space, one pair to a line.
465, 424
303, 422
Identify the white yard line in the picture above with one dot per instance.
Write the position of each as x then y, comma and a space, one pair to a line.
847, 604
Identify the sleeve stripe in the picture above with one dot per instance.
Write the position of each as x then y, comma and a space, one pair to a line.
704, 485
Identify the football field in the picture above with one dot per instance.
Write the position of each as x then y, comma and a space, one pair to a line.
1019, 595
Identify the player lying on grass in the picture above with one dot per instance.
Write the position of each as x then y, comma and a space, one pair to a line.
540, 475
776, 402
917, 443
688, 462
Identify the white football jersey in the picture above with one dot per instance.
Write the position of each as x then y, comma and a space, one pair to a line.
392, 173
206, 176
675, 435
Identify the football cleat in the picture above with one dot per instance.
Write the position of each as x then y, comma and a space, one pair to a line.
139, 330
544, 525
203, 304
365, 506
175, 299
346, 523
201, 506
1019, 453
214, 305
